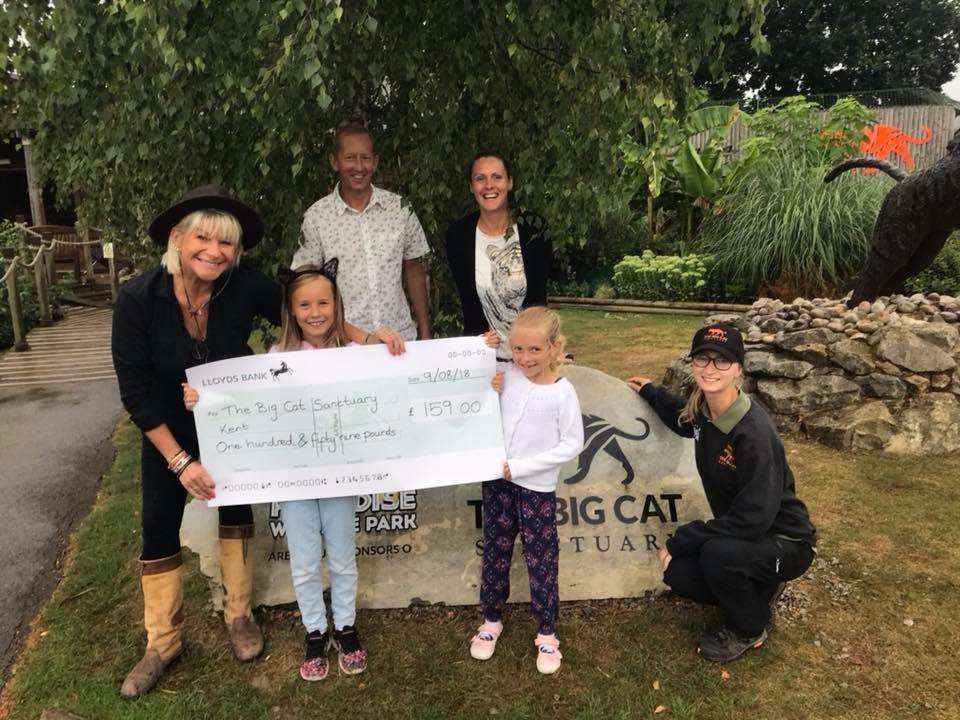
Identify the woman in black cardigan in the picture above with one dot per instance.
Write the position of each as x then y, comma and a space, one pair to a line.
500, 263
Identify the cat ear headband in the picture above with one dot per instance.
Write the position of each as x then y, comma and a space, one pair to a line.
285, 276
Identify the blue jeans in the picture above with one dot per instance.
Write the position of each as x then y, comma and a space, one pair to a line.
306, 522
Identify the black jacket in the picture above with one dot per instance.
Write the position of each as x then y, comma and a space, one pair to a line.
745, 476
152, 349
461, 255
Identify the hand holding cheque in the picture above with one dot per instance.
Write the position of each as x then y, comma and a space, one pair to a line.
287, 426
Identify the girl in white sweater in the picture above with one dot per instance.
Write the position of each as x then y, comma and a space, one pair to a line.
542, 429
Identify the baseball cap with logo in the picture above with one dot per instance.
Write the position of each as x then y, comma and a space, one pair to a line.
724, 340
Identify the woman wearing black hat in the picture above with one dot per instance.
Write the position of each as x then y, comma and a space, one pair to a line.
198, 306
760, 535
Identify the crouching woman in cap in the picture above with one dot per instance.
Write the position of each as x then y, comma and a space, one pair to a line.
198, 306
760, 535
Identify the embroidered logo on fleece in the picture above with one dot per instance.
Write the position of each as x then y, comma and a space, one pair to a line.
726, 457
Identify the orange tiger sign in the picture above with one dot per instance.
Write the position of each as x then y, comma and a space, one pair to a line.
885, 140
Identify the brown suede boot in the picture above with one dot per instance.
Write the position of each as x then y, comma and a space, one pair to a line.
162, 582
236, 569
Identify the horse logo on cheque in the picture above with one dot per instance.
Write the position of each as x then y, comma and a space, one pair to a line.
277, 372
599, 434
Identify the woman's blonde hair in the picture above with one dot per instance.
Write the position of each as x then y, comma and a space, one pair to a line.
291, 337
547, 321
694, 405
219, 224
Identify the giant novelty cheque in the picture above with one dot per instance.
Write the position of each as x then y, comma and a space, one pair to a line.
349, 421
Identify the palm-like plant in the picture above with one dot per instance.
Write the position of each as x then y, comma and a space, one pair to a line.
667, 166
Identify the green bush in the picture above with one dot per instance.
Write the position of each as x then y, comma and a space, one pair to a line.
9, 235
582, 266
28, 305
605, 291
570, 288
943, 275
663, 277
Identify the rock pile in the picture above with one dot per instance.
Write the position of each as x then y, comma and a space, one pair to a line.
880, 376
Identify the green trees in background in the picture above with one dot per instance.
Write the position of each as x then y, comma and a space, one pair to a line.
132, 102
839, 46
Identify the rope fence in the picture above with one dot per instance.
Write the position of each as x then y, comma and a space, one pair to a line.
44, 273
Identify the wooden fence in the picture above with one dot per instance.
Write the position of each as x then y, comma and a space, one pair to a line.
911, 119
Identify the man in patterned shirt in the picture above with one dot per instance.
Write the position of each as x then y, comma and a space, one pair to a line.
377, 238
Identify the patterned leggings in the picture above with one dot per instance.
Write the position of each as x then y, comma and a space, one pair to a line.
507, 510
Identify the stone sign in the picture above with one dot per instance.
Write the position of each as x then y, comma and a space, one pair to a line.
634, 482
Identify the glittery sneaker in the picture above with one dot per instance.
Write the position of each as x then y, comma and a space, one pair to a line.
315, 665
353, 658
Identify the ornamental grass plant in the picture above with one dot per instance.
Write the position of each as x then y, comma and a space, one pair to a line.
780, 228
777, 227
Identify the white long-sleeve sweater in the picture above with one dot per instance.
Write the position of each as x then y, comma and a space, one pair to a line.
542, 428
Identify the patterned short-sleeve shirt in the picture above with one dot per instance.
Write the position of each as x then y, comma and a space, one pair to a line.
371, 245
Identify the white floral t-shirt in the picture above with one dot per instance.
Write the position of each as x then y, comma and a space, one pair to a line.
371, 245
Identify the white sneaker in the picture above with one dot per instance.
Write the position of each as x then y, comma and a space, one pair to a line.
548, 654
484, 642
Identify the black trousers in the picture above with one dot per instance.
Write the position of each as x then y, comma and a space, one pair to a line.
739, 576
164, 499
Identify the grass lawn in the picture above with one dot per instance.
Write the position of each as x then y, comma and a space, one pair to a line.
871, 632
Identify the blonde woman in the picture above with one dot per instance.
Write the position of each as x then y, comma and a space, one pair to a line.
760, 535
197, 306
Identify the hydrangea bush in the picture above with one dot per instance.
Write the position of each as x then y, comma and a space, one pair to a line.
663, 277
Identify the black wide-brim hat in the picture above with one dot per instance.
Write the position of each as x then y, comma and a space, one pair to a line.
208, 197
